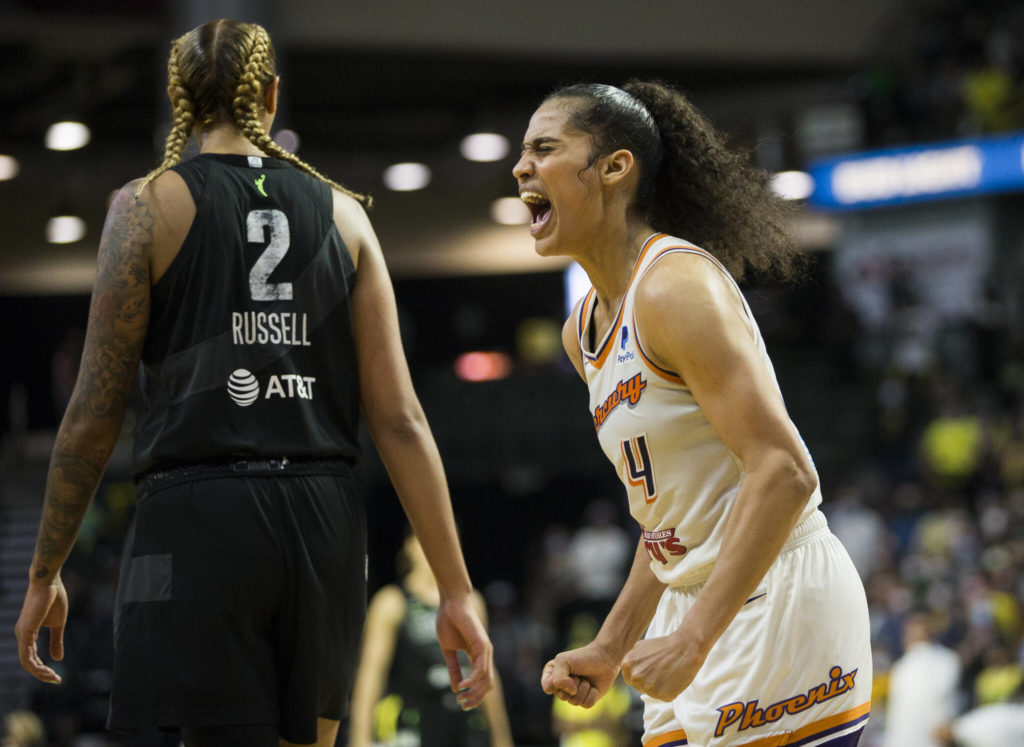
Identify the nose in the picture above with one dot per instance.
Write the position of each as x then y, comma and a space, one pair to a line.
523, 167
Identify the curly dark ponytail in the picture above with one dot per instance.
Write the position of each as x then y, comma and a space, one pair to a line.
691, 185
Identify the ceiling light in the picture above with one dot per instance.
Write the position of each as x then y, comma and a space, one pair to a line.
67, 136
8, 167
510, 211
793, 185
64, 229
406, 177
484, 146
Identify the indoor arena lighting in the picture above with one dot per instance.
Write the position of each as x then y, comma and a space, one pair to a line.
8, 167
64, 229
406, 177
793, 185
67, 136
479, 366
484, 146
510, 211
288, 139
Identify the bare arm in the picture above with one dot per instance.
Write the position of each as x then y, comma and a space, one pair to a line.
406, 446
383, 618
571, 342
693, 322
118, 317
582, 676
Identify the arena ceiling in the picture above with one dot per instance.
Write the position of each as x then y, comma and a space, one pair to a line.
369, 83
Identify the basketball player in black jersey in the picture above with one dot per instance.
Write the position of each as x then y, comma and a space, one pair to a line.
400, 657
249, 294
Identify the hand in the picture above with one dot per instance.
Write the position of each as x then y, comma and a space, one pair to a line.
459, 629
661, 667
44, 607
581, 676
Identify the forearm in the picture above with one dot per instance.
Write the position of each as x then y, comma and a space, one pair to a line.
410, 455
767, 509
79, 457
633, 609
497, 716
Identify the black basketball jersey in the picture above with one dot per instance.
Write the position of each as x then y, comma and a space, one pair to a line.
250, 350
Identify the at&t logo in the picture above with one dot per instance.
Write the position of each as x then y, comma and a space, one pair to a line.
244, 388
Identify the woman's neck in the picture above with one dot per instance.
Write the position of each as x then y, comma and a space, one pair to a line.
609, 264
226, 138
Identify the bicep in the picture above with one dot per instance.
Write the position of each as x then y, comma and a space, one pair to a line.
119, 310
384, 377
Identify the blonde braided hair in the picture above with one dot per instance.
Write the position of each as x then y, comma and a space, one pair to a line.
246, 109
183, 119
220, 71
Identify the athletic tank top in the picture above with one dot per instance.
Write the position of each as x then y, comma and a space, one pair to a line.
430, 713
250, 351
418, 671
680, 477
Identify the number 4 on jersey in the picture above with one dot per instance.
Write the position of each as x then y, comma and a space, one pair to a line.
640, 470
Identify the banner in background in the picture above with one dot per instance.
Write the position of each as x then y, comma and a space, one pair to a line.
914, 174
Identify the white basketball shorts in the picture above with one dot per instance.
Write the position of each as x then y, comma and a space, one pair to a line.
793, 668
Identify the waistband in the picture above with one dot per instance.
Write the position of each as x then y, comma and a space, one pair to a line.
806, 531
158, 479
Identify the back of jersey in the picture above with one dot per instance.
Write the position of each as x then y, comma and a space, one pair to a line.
250, 351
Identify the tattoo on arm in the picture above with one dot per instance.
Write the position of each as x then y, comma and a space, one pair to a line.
118, 319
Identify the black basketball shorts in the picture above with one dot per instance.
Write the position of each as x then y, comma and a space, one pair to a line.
241, 600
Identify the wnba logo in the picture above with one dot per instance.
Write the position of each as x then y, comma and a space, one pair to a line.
243, 387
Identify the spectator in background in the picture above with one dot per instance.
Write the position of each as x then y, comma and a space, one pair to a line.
401, 659
996, 725
861, 530
599, 552
23, 729
922, 688
605, 724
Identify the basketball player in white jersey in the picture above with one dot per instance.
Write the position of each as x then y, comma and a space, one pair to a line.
756, 620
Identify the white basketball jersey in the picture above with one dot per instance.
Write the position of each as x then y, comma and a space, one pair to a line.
680, 477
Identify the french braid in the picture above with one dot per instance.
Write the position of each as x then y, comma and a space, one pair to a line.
246, 105
219, 72
182, 122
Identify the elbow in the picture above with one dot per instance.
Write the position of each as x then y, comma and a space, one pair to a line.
404, 424
800, 477
788, 477
84, 426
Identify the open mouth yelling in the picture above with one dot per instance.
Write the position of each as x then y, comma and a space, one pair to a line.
540, 209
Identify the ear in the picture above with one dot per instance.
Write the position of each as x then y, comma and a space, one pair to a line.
270, 95
617, 166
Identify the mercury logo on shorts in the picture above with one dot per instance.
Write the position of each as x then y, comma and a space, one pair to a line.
244, 388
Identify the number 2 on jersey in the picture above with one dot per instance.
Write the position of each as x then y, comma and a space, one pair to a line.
277, 246
639, 468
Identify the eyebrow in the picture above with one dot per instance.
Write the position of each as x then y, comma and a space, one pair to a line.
539, 141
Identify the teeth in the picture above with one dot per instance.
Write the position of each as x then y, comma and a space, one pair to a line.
532, 198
